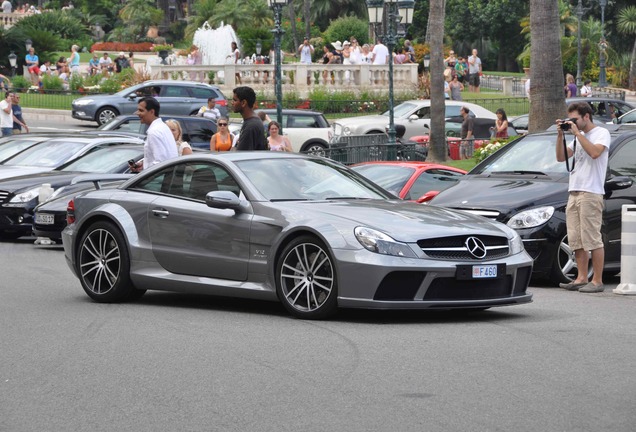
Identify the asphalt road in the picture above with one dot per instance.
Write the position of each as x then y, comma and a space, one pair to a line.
177, 362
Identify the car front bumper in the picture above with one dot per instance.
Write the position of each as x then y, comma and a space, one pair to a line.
374, 281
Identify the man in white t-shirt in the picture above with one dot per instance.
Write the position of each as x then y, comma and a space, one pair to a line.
584, 211
6, 115
380, 54
211, 111
474, 72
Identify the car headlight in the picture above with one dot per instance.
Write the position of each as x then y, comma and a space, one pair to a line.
378, 242
82, 102
514, 239
531, 218
346, 130
26, 196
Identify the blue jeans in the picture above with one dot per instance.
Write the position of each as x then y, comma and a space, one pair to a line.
7, 131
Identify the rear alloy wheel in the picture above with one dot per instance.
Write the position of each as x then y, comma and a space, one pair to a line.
105, 115
306, 280
315, 149
565, 268
103, 264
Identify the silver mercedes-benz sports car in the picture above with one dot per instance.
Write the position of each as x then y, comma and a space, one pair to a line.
303, 230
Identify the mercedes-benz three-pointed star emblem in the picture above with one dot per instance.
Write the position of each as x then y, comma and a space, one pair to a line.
476, 247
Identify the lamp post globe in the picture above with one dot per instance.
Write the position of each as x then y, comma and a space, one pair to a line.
13, 61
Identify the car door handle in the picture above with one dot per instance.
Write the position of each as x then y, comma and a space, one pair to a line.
162, 213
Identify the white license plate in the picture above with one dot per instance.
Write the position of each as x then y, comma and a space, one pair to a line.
484, 271
44, 219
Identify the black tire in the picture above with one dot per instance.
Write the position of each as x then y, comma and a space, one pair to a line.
302, 263
564, 269
314, 148
103, 264
106, 114
372, 132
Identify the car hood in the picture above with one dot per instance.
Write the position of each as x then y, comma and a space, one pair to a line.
54, 178
96, 97
404, 221
506, 195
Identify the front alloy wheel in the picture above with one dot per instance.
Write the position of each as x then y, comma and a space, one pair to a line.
103, 264
565, 268
306, 279
105, 115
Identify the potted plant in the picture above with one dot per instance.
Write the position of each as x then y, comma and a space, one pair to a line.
163, 51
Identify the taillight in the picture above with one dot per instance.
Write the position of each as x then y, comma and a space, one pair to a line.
70, 212
221, 102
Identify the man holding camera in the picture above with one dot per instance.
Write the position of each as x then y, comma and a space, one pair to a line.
584, 211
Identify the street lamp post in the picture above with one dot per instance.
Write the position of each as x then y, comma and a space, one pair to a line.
401, 10
602, 77
277, 6
13, 61
579, 15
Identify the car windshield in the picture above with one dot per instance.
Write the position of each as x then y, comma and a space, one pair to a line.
531, 154
391, 178
47, 154
14, 147
402, 109
295, 179
104, 159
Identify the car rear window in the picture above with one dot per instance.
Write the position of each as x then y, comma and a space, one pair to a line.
204, 93
47, 154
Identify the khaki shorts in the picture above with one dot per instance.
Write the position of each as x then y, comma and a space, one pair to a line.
584, 216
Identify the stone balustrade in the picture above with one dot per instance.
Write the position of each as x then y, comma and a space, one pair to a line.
298, 77
9, 20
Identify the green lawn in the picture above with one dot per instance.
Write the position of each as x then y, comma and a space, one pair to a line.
466, 164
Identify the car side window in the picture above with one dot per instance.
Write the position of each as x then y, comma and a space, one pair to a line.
133, 125
305, 122
623, 161
424, 113
198, 131
432, 180
153, 91
203, 93
175, 91
159, 183
629, 117
453, 111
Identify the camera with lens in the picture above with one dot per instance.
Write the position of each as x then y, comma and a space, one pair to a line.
566, 126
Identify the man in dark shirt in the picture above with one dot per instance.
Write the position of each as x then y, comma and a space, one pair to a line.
18, 121
467, 134
251, 136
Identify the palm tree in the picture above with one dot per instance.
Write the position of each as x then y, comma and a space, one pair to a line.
203, 11
436, 32
546, 89
627, 25
248, 13
140, 14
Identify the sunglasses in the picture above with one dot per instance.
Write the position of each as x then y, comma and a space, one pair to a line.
222, 124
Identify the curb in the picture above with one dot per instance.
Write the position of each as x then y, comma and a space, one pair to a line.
52, 115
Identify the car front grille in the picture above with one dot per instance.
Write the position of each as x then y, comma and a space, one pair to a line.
3, 196
453, 289
455, 248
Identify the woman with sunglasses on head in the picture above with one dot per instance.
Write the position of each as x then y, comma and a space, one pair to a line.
275, 141
222, 140
183, 148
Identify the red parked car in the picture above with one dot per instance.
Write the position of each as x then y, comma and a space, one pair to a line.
414, 181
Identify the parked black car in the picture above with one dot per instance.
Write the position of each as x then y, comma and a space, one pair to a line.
50, 216
523, 186
196, 130
20, 195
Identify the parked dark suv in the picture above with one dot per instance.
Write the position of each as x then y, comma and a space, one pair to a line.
197, 131
175, 97
523, 186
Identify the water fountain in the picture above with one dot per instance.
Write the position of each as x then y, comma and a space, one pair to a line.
214, 44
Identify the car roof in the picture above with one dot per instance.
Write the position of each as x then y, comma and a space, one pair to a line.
179, 83
596, 98
162, 116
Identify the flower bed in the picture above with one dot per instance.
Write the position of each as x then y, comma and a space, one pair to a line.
121, 46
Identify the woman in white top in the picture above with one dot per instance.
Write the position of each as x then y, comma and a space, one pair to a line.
236, 57
277, 142
182, 146
366, 56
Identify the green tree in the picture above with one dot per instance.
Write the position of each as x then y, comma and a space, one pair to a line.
546, 80
140, 14
253, 13
343, 28
627, 25
203, 12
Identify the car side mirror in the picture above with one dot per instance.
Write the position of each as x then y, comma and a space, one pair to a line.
619, 182
223, 200
615, 120
413, 117
427, 197
132, 96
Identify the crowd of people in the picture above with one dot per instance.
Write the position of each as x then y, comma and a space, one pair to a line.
459, 72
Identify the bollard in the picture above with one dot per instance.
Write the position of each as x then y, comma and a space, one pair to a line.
628, 251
